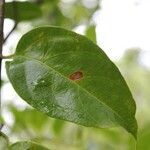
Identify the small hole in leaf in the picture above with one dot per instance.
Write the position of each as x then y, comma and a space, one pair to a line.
78, 75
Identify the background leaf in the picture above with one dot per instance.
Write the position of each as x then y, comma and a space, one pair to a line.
3, 141
32, 120
26, 146
67, 76
22, 11
91, 33
58, 126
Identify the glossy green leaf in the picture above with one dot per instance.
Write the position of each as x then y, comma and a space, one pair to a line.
26, 146
67, 76
3, 141
22, 11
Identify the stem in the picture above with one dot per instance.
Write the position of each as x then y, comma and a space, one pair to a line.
2, 2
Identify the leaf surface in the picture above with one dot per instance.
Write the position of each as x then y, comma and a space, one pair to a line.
25, 145
22, 11
67, 76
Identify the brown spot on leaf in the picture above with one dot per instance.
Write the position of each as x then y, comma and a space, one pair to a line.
78, 75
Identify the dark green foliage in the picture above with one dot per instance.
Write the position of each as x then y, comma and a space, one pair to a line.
22, 11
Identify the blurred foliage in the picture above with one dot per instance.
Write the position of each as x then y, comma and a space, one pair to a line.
138, 79
28, 124
66, 14
22, 11
1, 83
3, 141
91, 33
26, 146
51, 12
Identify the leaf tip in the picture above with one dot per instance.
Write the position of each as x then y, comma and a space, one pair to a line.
134, 130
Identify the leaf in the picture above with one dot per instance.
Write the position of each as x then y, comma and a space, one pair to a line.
3, 141
1, 83
22, 11
58, 126
32, 120
143, 138
25, 145
91, 33
66, 76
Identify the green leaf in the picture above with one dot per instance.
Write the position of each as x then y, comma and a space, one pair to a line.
1, 83
143, 138
67, 76
22, 11
90, 33
3, 141
58, 125
32, 120
25, 145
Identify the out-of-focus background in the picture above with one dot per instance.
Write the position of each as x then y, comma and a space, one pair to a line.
122, 29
